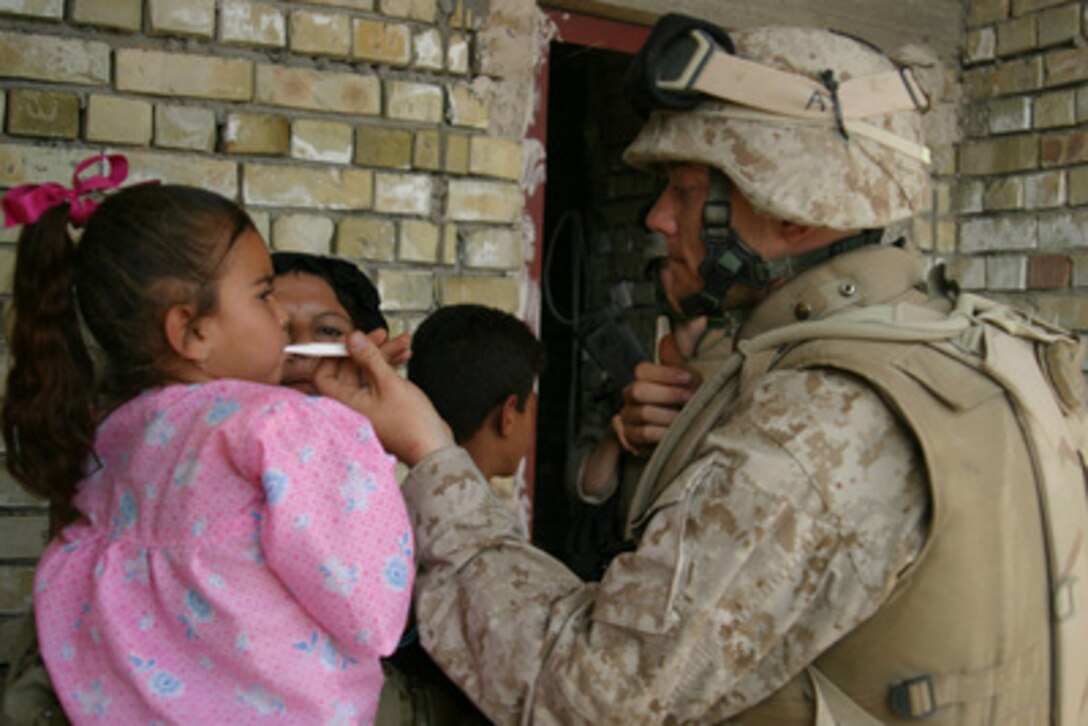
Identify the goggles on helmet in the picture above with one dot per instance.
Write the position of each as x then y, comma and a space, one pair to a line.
686, 60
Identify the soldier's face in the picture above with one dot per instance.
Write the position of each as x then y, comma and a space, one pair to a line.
677, 215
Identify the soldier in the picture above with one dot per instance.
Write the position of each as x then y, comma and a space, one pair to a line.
872, 512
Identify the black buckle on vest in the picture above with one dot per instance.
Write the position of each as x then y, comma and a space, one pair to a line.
913, 698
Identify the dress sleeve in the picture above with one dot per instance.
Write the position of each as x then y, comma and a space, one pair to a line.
749, 566
335, 529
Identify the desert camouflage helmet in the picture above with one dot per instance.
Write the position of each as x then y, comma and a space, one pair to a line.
866, 172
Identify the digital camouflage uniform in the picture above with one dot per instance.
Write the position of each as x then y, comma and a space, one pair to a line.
842, 518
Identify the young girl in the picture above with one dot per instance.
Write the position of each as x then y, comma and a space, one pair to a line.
238, 550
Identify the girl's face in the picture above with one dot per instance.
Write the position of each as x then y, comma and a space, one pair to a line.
248, 330
314, 315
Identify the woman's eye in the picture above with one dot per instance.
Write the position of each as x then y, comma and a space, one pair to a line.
326, 332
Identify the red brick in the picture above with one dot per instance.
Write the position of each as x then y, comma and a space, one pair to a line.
1047, 272
1064, 149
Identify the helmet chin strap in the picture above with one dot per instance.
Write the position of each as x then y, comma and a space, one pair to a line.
729, 260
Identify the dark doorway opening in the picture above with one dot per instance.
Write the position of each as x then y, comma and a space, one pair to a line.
594, 255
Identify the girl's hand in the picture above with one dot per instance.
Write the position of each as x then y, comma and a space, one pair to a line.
402, 415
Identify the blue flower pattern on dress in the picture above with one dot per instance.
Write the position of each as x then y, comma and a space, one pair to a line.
199, 612
93, 700
343, 714
159, 432
128, 511
263, 702
275, 485
398, 567
356, 489
161, 682
339, 578
330, 656
222, 409
186, 470
136, 568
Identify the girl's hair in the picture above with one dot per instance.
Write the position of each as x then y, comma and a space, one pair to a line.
146, 248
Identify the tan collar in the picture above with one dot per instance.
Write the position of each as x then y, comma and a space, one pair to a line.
868, 276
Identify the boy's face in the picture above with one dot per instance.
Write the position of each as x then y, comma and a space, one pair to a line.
517, 444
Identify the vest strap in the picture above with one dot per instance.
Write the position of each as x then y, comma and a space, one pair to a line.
921, 696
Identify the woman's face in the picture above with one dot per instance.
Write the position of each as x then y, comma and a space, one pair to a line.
314, 315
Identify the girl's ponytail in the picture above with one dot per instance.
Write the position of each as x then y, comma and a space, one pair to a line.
48, 412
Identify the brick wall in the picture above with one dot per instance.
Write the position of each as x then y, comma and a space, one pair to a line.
1022, 184
385, 131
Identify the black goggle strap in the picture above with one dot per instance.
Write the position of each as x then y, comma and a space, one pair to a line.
693, 64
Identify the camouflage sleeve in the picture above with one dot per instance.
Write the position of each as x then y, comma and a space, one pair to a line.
781, 537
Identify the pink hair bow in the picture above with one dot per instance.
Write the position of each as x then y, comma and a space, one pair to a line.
27, 203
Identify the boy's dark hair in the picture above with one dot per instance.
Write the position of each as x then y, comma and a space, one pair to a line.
469, 358
146, 248
353, 289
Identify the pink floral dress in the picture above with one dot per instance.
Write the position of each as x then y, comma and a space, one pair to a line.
245, 554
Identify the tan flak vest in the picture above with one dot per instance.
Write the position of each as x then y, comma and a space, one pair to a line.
990, 623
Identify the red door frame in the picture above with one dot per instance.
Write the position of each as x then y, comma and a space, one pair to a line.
593, 33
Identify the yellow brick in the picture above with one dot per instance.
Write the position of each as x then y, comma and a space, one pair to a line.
185, 127
427, 46
403, 290
427, 150
495, 157
415, 9
348, 93
470, 200
470, 106
419, 241
496, 292
46, 9
25, 164
117, 14
24, 536
43, 114
260, 24
251, 133
380, 42
16, 588
403, 193
449, 244
366, 238
457, 153
184, 74
494, 248
320, 33
7, 274
408, 101
457, 54
216, 175
57, 60
312, 188
112, 119
303, 233
192, 17
377, 146
318, 140
353, 4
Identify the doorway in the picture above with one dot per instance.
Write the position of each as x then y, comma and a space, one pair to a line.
593, 256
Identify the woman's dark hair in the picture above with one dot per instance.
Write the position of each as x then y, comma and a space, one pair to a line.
146, 248
352, 288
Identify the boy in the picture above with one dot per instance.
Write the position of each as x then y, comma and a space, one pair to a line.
478, 366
